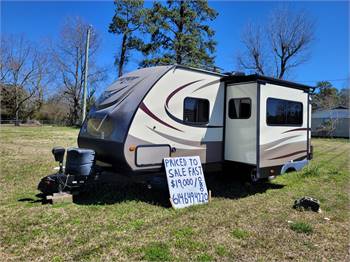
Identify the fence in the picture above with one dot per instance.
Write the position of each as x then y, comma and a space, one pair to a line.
33, 122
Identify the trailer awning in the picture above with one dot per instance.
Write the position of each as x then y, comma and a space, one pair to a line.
265, 79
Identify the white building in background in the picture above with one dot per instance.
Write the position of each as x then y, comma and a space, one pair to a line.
331, 123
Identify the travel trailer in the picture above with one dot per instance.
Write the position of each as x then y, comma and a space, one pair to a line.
254, 122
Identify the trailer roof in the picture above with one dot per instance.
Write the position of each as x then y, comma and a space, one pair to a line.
264, 79
207, 71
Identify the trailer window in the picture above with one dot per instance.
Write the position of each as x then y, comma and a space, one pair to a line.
239, 108
99, 127
281, 112
196, 110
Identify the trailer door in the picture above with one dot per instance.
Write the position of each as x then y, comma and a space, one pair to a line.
240, 123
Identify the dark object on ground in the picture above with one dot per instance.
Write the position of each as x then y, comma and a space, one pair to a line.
78, 172
52, 184
307, 203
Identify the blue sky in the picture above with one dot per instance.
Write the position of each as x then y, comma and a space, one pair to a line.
330, 50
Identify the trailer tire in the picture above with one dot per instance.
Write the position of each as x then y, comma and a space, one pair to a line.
253, 176
290, 169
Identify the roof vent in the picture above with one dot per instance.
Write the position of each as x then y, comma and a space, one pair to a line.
235, 73
238, 73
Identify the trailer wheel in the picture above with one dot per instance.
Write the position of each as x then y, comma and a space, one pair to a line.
253, 176
290, 169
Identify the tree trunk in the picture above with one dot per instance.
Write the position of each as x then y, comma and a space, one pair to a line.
122, 56
75, 113
180, 30
17, 109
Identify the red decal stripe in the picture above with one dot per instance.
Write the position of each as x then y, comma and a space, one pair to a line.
177, 90
145, 109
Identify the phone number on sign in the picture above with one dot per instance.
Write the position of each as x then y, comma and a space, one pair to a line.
189, 198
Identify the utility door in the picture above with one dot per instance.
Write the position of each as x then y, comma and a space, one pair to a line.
241, 123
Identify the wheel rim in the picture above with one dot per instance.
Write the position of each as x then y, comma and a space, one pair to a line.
253, 176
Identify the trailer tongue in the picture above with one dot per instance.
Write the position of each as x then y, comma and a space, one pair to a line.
79, 171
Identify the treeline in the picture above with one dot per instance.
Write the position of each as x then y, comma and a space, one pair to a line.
45, 81
166, 33
328, 97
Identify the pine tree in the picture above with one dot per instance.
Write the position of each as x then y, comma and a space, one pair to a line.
126, 22
179, 33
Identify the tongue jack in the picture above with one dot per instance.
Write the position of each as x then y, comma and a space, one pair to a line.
58, 153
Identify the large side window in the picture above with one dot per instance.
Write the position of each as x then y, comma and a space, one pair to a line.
196, 110
281, 112
239, 108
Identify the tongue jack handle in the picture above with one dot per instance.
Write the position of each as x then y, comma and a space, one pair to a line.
58, 153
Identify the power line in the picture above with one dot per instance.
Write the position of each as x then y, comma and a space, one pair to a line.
329, 80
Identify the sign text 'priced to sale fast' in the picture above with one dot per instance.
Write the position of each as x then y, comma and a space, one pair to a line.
186, 181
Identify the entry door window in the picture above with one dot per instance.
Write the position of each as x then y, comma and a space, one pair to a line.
196, 110
239, 108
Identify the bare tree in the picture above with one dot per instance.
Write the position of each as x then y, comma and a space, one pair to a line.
279, 45
254, 58
69, 57
24, 69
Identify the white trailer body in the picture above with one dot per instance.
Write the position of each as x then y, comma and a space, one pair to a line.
160, 120
274, 136
167, 111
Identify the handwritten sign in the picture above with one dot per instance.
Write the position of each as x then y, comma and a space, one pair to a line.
186, 181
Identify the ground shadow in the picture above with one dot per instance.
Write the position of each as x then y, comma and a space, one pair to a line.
220, 186
236, 187
111, 193
119, 190
41, 198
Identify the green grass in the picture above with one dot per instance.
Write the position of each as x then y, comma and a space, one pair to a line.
240, 233
157, 252
128, 222
301, 227
221, 251
205, 257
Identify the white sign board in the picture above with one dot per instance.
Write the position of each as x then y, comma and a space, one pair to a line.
186, 181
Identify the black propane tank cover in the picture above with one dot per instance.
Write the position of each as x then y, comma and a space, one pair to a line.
79, 161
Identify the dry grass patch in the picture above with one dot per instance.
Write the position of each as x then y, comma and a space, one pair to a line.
130, 223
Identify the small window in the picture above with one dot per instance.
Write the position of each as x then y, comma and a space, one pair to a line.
284, 112
239, 108
196, 110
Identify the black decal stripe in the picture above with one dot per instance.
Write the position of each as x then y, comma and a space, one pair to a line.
188, 124
296, 129
291, 154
